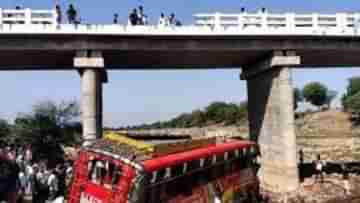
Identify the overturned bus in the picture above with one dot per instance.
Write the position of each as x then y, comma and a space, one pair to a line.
117, 169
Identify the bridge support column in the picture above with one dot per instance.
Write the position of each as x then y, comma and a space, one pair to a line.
271, 120
91, 68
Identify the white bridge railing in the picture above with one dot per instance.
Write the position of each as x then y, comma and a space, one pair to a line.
27, 16
290, 21
29, 21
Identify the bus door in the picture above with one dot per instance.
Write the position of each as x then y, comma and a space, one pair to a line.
103, 177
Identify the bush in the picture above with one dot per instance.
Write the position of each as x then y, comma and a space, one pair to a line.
315, 93
352, 89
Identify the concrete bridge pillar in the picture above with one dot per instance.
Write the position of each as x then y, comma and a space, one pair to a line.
91, 68
271, 119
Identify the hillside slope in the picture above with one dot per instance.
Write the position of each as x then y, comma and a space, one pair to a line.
330, 134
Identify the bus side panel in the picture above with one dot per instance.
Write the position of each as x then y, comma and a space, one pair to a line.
79, 179
232, 188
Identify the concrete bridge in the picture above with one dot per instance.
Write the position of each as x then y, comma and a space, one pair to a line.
266, 51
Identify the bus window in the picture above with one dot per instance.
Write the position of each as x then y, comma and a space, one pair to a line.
193, 165
160, 175
240, 160
226, 156
185, 168
219, 167
228, 163
178, 170
237, 153
97, 171
213, 160
104, 173
168, 173
202, 162
220, 158
231, 155
208, 161
153, 177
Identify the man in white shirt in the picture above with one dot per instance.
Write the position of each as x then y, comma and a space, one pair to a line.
53, 185
162, 20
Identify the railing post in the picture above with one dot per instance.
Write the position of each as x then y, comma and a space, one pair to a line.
263, 16
241, 21
54, 15
356, 22
340, 21
315, 21
290, 21
27, 16
217, 22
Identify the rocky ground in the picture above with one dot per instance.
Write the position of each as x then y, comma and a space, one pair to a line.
332, 190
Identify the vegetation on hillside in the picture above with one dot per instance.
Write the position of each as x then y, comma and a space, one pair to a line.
216, 113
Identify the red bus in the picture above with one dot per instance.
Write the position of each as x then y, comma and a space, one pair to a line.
202, 171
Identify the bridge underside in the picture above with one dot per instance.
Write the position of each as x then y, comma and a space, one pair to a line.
154, 60
44, 52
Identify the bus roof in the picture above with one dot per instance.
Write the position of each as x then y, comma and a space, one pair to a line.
152, 157
154, 164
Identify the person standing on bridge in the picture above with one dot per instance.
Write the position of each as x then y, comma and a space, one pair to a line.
58, 14
116, 16
140, 16
162, 20
133, 17
172, 19
71, 13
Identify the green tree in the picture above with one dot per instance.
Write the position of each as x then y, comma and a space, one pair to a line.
48, 127
353, 86
298, 97
315, 93
216, 111
352, 104
5, 131
352, 89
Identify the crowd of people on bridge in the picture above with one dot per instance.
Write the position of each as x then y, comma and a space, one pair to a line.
37, 179
138, 17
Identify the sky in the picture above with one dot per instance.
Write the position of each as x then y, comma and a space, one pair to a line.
134, 97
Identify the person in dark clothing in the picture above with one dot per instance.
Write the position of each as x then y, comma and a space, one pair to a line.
116, 16
172, 19
35, 186
301, 165
61, 173
140, 16
9, 180
133, 18
71, 13
58, 14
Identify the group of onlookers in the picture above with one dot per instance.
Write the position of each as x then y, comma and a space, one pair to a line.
138, 17
72, 15
37, 179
